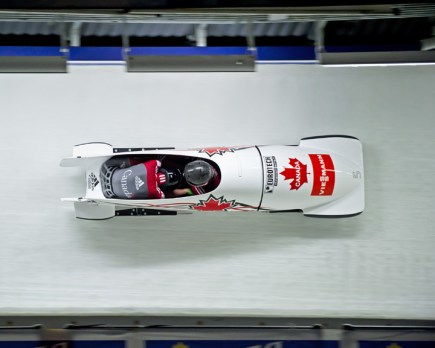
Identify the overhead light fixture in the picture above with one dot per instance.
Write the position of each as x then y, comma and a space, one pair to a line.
190, 63
192, 59
33, 64
29, 59
390, 58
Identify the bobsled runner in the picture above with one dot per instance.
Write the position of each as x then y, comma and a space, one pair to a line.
321, 177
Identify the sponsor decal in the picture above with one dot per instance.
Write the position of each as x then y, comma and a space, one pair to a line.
92, 181
138, 182
124, 186
297, 174
270, 173
323, 175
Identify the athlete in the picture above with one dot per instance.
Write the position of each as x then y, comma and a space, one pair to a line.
149, 180
200, 177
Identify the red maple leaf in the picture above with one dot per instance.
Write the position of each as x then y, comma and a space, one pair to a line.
216, 150
298, 174
213, 204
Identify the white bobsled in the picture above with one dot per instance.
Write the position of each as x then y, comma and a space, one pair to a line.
321, 177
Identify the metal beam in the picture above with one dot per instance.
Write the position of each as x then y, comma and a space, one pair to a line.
74, 34
319, 32
201, 35
223, 15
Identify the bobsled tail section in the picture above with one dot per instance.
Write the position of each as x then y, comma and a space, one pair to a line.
349, 173
71, 162
92, 150
84, 153
93, 211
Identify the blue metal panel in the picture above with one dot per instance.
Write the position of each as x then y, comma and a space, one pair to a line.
95, 53
181, 51
40, 51
272, 53
286, 53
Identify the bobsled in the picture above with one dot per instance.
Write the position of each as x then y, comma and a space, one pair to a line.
320, 177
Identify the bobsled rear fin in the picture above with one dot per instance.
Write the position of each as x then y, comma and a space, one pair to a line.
92, 150
144, 212
71, 162
134, 149
100, 209
93, 211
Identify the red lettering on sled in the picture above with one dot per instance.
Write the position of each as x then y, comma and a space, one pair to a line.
323, 175
297, 174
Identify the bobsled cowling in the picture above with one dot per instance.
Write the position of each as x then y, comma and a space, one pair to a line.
320, 177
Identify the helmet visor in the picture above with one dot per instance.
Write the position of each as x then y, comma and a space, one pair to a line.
198, 173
